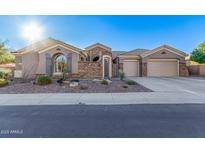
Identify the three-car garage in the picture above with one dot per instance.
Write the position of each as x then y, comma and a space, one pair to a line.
155, 68
163, 61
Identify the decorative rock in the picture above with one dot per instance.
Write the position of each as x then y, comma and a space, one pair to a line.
83, 86
73, 84
109, 81
66, 82
97, 80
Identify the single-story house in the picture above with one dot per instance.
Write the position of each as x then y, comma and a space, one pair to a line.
51, 56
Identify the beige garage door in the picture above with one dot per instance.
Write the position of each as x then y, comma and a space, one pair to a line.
162, 68
131, 68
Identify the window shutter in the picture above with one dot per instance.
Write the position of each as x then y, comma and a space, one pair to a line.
69, 62
48, 64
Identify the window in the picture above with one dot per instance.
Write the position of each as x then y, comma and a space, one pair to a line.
96, 58
60, 63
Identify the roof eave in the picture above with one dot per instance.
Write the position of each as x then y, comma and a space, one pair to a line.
98, 44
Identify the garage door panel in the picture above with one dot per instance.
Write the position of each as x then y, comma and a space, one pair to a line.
162, 68
131, 68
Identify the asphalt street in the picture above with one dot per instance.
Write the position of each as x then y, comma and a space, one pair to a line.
103, 121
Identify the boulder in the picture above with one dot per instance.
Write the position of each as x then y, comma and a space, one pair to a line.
73, 84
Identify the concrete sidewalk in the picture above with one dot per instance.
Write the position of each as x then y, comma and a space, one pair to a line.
102, 98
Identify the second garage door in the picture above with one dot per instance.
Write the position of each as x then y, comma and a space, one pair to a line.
162, 68
131, 68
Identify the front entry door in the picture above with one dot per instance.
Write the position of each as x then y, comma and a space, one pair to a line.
106, 68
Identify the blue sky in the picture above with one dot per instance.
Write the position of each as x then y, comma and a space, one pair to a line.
117, 32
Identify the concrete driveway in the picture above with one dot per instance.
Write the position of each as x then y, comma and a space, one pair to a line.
194, 85
173, 89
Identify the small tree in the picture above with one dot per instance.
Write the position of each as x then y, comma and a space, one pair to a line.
198, 54
5, 56
64, 66
202, 45
122, 75
64, 74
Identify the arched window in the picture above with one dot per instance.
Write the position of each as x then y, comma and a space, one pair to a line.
60, 63
96, 58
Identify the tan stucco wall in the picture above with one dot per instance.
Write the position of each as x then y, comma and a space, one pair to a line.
42, 59
168, 55
18, 60
121, 59
29, 65
35, 63
198, 70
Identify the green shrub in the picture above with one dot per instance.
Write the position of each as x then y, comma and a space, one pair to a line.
44, 80
64, 74
105, 82
193, 63
122, 75
4, 73
1, 75
3, 82
131, 82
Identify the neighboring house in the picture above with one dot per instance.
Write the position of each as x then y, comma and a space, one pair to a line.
52, 56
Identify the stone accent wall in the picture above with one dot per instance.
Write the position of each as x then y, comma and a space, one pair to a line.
183, 70
90, 70
106, 52
74, 76
144, 69
98, 52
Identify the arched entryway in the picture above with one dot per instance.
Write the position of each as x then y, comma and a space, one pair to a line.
59, 63
107, 67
